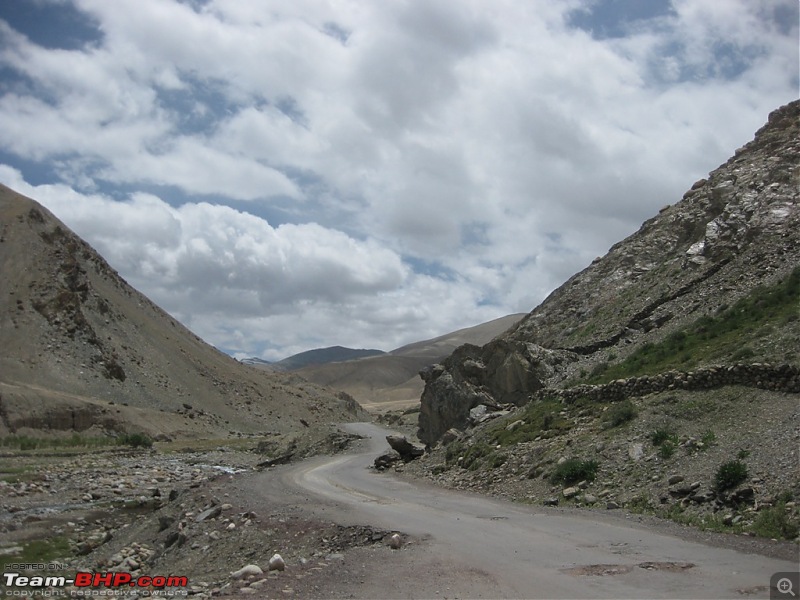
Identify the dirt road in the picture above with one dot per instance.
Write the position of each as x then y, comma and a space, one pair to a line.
471, 546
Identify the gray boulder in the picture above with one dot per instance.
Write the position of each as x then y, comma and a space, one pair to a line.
408, 451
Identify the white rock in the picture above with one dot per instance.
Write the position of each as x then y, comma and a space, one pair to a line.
395, 542
247, 571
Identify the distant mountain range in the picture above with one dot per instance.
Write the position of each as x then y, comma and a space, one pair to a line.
379, 379
318, 356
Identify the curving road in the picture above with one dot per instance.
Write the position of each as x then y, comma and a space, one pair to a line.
516, 551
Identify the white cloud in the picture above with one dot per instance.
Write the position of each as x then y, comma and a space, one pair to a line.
492, 145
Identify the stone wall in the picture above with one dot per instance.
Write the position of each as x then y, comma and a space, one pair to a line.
782, 378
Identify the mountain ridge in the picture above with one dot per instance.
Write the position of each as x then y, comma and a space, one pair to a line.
85, 351
315, 356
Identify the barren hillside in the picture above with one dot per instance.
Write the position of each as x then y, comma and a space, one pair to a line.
83, 350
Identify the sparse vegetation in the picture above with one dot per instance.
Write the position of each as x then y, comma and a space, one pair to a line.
666, 450
574, 470
25, 443
662, 435
539, 419
729, 475
774, 522
639, 505
619, 414
710, 337
708, 439
135, 440
472, 457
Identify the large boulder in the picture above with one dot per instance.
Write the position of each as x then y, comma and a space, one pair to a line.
498, 373
408, 451
387, 460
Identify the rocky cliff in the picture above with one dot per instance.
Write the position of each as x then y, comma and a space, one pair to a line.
693, 265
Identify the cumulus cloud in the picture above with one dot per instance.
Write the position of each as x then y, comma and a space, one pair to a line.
282, 176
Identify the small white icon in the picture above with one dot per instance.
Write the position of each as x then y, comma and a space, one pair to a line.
785, 586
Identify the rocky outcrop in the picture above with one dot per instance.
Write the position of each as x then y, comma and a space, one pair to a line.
732, 232
500, 372
408, 451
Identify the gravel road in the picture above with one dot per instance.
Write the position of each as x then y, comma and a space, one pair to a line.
469, 546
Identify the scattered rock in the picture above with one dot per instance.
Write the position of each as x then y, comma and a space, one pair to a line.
570, 492
395, 541
276, 563
207, 515
387, 459
636, 451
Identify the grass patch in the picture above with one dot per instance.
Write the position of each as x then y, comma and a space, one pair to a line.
574, 470
710, 337
774, 522
472, 457
25, 443
40, 551
619, 414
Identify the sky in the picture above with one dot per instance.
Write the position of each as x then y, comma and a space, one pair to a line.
281, 176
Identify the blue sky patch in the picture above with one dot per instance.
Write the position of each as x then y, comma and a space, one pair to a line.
54, 25
606, 19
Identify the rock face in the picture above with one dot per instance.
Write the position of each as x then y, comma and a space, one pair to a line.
734, 231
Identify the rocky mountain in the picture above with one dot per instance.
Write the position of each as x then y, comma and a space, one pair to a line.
83, 351
391, 380
663, 379
733, 236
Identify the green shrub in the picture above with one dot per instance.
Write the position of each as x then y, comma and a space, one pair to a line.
729, 475
454, 450
666, 450
574, 470
709, 439
496, 460
620, 413
661, 435
27, 443
474, 454
135, 440
775, 523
